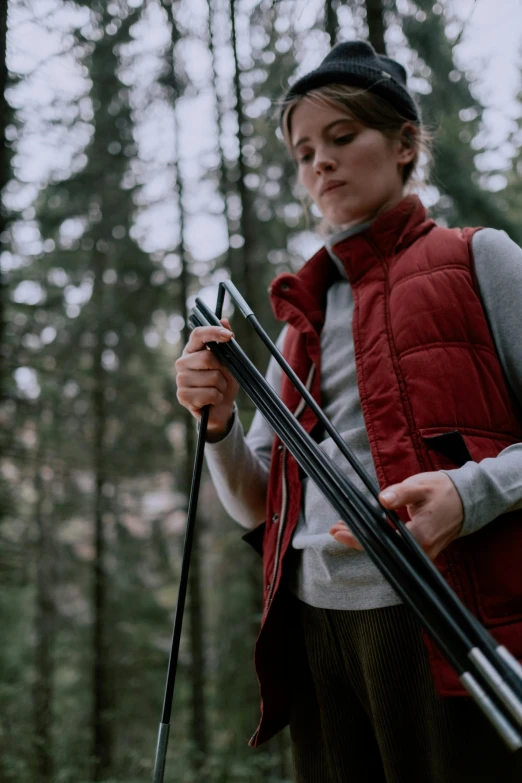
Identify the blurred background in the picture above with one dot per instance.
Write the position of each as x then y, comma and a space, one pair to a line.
141, 164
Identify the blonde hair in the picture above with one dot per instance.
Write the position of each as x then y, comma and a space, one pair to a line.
374, 112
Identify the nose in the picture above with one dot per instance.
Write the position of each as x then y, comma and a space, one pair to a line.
323, 161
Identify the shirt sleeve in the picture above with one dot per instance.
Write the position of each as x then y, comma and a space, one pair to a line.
494, 485
239, 464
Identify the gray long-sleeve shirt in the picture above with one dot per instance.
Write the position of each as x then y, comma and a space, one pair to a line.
326, 574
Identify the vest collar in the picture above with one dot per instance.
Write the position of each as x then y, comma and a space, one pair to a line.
390, 232
300, 298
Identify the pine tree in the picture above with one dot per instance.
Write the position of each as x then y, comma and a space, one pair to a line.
110, 390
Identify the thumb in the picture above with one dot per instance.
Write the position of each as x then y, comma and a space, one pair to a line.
406, 493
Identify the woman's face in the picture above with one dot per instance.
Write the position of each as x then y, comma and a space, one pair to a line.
351, 172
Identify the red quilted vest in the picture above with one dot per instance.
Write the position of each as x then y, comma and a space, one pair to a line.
433, 396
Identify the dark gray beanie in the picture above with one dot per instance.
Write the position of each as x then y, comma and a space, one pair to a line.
357, 64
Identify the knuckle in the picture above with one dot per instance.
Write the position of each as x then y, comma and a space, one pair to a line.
217, 379
196, 360
208, 360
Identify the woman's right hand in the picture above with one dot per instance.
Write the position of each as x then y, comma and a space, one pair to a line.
202, 380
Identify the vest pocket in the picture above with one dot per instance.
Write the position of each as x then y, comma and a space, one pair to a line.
446, 450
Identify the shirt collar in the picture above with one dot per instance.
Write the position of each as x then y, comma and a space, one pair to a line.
340, 236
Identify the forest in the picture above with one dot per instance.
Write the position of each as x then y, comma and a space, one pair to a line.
141, 164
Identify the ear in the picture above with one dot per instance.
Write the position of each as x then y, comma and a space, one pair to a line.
407, 143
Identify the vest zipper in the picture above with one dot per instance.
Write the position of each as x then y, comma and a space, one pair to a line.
282, 521
284, 500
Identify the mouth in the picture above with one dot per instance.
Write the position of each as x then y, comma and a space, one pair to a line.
331, 186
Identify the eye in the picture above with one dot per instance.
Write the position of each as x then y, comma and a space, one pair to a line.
305, 158
345, 139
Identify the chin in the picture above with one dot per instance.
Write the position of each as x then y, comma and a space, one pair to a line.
342, 215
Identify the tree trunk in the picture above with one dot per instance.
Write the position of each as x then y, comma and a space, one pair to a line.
376, 27
4, 174
243, 270
43, 630
101, 686
330, 20
224, 183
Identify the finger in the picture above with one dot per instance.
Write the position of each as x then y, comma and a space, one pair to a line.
343, 535
202, 335
195, 399
195, 379
199, 360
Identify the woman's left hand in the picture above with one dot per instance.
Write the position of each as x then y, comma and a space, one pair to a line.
435, 509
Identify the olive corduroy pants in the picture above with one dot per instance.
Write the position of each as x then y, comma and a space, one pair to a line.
364, 708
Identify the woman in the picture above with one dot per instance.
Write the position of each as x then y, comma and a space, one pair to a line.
408, 335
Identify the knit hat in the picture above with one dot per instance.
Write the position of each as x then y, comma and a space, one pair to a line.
357, 64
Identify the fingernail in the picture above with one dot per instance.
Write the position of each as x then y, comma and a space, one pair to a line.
225, 333
388, 496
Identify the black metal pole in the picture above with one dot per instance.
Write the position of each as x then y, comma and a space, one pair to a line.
346, 499
164, 726
431, 574
389, 552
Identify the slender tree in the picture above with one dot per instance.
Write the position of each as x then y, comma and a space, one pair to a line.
376, 25
4, 173
330, 20
225, 187
102, 681
44, 618
245, 260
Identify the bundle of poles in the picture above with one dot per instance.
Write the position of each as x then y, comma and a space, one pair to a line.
487, 670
